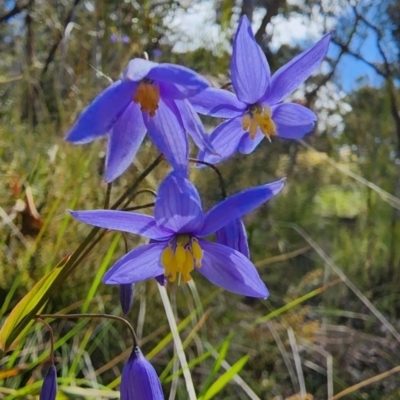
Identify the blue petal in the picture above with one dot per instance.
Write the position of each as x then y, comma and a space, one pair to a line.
124, 221
49, 388
250, 71
138, 69
138, 265
234, 235
126, 293
225, 140
97, 119
218, 103
238, 205
139, 380
289, 77
168, 134
181, 79
231, 270
247, 145
293, 121
194, 126
178, 205
126, 136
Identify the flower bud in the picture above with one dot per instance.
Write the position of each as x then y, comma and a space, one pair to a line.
126, 294
139, 379
49, 388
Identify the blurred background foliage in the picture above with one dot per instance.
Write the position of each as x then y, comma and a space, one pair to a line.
336, 213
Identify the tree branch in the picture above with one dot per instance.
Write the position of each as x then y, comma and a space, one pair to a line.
16, 10
54, 48
272, 10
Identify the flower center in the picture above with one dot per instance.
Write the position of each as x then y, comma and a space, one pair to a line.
183, 258
259, 117
147, 95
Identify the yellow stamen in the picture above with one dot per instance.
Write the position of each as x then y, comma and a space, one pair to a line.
167, 260
148, 96
180, 256
187, 267
188, 254
259, 117
197, 253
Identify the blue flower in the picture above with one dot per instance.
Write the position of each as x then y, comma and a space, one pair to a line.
139, 380
255, 110
49, 388
152, 97
234, 235
177, 233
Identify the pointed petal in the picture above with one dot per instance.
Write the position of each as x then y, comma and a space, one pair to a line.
183, 81
178, 205
126, 136
167, 133
137, 69
234, 235
138, 265
247, 145
250, 71
124, 221
194, 126
292, 120
231, 270
289, 77
97, 119
225, 140
238, 205
126, 293
218, 103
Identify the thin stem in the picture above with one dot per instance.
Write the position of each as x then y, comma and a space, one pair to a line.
48, 327
89, 315
226, 85
108, 195
84, 253
140, 192
147, 205
216, 170
142, 176
125, 242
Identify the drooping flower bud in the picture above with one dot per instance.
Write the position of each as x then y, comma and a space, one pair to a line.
139, 379
49, 388
126, 293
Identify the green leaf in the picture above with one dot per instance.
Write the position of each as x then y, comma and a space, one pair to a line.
225, 378
20, 318
222, 354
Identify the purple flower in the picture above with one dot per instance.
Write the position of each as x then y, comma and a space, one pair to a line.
139, 379
234, 235
49, 388
150, 97
177, 230
255, 110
